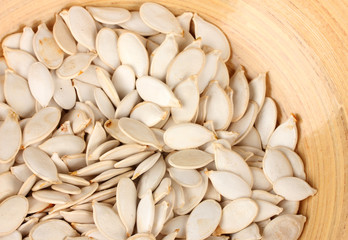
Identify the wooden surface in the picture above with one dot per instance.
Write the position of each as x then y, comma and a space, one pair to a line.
304, 46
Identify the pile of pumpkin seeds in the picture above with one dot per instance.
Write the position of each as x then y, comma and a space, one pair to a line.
120, 124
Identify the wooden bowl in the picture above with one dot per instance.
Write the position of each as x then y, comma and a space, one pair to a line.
304, 47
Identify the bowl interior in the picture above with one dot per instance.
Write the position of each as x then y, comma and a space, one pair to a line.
303, 49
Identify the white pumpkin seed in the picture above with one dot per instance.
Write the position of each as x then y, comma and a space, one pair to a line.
64, 93
114, 181
136, 24
22, 172
112, 127
152, 178
160, 18
179, 195
266, 196
109, 15
266, 210
222, 75
106, 45
94, 169
142, 236
74, 161
193, 196
162, 56
189, 159
138, 132
289, 207
188, 96
177, 224
123, 80
132, 52
250, 232
12, 211
41, 83
133, 159
102, 149
285, 134
219, 106
154, 90
52, 197
148, 113
41, 184
12, 41
25, 228
41, 164
185, 177
160, 217
229, 184
237, 215
46, 49
187, 63
63, 36
75, 65
209, 70
252, 139
127, 104
54, 228
108, 87
79, 216
211, 36
187, 135
203, 220
212, 193
286, 226
293, 189
257, 89
104, 104
295, 161
276, 165
82, 26
63, 145
228, 160
18, 60
202, 110
260, 180
146, 213
244, 124
145, 165
239, 85
27, 185
90, 75
163, 189
10, 138
126, 200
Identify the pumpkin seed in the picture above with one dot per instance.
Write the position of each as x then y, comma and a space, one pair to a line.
63, 36
285, 134
188, 95
276, 165
289, 207
177, 224
46, 49
54, 228
250, 232
126, 200
187, 63
106, 45
123, 80
229, 184
286, 226
63, 145
75, 64
52, 197
293, 189
82, 26
237, 215
187, 135
159, 18
136, 24
17, 94
148, 113
18, 60
12, 211
162, 190
185, 177
109, 15
189, 159
79, 216
208, 213
12, 41
162, 56
132, 52
146, 213
145, 165
10, 138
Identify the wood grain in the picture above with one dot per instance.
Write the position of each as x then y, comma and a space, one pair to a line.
303, 45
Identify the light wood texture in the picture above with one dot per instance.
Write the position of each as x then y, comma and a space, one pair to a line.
304, 47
